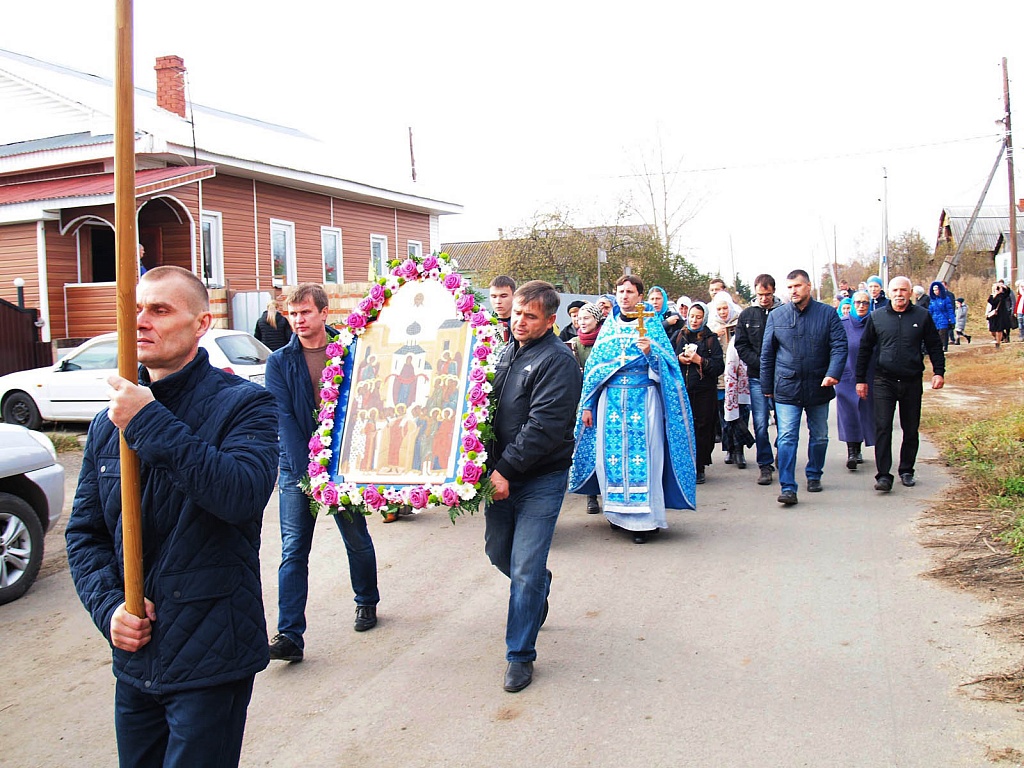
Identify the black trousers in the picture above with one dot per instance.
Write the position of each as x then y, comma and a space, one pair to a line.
907, 394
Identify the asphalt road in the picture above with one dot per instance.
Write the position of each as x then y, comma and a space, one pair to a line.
748, 634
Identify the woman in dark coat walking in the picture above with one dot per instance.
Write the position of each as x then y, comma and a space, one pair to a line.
702, 362
856, 417
272, 328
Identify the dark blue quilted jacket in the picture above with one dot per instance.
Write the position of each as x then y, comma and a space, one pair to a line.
208, 451
800, 349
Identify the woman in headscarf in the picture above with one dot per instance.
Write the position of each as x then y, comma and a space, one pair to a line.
670, 320
845, 308
995, 313
940, 304
856, 416
590, 319
701, 361
735, 433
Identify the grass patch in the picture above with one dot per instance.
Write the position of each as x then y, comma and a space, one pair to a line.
64, 442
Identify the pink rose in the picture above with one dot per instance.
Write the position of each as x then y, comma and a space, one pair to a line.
430, 263
481, 351
452, 280
477, 396
315, 445
313, 469
325, 414
479, 318
419, 498
465, 303
365, 305
449, 497
471, 472
471, 443
468, 424
330, 394
329, 372
373, 498
329, 496
376, 294
478, 375
407, 269
334, 349
356, 320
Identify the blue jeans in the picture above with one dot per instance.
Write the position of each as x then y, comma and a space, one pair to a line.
759, 409
1020, 326
198, 727
517, 539
296, 541
789, 436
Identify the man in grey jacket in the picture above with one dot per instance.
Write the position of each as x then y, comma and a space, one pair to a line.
802, 357
537, 389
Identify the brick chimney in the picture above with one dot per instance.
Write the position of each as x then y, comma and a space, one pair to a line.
170, 84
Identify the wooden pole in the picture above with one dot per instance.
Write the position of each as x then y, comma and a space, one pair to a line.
126, 243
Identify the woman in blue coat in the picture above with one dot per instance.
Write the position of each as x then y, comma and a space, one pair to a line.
856, 417
943, 311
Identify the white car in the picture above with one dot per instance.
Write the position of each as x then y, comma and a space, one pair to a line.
31, 501
75, 389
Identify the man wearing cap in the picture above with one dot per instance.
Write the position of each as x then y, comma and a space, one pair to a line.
570, 331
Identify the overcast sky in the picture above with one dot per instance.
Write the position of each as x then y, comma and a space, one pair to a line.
780, 116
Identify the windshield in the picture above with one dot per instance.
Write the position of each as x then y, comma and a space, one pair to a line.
243, 349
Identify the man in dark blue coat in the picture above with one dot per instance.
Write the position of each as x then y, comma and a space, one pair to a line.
207, 444
802, 359
293, 377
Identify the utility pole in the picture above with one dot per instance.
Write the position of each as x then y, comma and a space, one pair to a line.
1008, 141
883, 266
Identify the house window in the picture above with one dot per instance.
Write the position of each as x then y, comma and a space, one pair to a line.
213, 249
378, 254
416, 249
282, 251
330, 244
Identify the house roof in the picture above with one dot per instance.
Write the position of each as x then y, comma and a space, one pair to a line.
101, 185
55, 115
991, 229
472, 257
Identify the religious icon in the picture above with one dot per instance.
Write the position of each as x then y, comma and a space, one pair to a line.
407, 395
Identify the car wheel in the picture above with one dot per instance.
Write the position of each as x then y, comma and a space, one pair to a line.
21, 547
19, 408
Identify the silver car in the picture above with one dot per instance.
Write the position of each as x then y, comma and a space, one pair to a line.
31, 500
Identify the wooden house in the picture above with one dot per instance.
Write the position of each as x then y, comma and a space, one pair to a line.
248, 206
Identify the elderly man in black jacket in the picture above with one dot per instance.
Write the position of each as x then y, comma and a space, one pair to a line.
537, 389
802, 357
749, 335
895, 334
207, 443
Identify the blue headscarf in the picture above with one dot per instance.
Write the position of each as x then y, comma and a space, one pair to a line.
704, 324
664, 300
854, 317
844, 303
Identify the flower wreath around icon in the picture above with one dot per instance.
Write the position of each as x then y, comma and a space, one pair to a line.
470, 487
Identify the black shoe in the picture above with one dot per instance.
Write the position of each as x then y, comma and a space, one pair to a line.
788, 498
593, 508
366, 617
741, 460
968, 339
908, 480
851, 459
640, 537
729, 458
518, 675
814, 486
766, 476
883, 484
700, 477
283, 649
860, 457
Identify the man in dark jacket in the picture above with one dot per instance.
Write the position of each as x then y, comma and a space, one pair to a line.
293, 378
206, 442
537, 389
802, 357
749, 336
896, 334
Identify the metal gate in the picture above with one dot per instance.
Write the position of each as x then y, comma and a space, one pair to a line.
20, 347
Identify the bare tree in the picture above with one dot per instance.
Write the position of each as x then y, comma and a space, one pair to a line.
662, 200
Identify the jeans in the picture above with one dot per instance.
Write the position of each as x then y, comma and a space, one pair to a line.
789, 436
191, 729
759, 408
1020, 326
907, 393
517, 539
296, 541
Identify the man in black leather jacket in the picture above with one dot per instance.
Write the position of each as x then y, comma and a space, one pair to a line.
537, 390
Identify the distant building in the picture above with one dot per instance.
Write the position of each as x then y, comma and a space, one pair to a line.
990, 235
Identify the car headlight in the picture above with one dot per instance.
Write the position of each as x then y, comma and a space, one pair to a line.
44, 441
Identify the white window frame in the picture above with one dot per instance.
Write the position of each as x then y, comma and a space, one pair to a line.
216, 221
382, 268
415, 248
288, 229
325, 234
